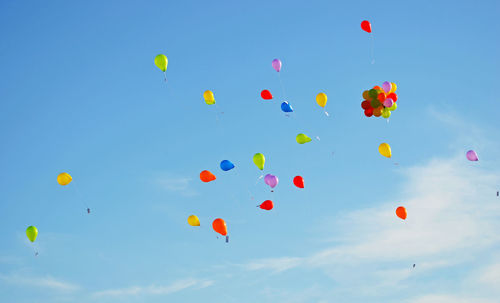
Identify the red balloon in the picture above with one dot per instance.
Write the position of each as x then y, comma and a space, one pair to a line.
298, 181
266, 95
381, 97
369, 112
267, 205
365, 104
393, 96
366, 26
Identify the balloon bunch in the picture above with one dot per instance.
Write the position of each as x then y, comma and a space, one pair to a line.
380, 101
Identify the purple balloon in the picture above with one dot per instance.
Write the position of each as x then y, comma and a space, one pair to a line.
472, 156
388, 102
271, 180
386, 86
277, 65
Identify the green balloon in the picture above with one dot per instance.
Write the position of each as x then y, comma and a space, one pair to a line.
393, 107
386, 113
375, 103
32, 233
259, 160
301, 139
373, 93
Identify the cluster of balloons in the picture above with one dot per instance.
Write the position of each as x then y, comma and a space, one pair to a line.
380, 101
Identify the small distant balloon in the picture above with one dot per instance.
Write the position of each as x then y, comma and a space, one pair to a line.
267, 205
298, 181
259, 160
271, 180
193, 220
64, 179
286, 107
302, 138
385, 150
387, 86
207, 176
321, 99
161, 62
277, 65
472, 156
366, 26
401, 212
266, 95
208, 95
226, 165
219, 226
32, 233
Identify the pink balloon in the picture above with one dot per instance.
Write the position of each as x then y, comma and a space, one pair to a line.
277, 65
271, 180
388, 102
387, 86
472, 156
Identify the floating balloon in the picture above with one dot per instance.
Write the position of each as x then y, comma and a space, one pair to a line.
387, 86
321, 99
209, 97
385, 150
366, 26
388, 102
266, 95
267, 205
193, 220
226, 165
219, 226
298, 181
472, 156
286, 107
386, 113
259, 160
271, 180
393, 87
32, 233
378, 99
64, 179
301, 139
207, 176
401, 212
161, 62
277, 65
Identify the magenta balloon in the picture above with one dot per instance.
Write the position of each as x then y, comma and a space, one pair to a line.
388, 102
271, 180
277, 65
472, 156
386, 86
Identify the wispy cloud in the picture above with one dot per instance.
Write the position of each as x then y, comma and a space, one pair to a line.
46, 282
180, 185
273, 264
445, 298
154, 289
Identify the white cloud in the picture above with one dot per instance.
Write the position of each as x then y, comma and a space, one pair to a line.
444, 298
47, 282
273, 264
491, 275
176, 184
154, 289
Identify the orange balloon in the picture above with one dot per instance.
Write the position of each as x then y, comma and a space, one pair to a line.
219, 226
207, 176
377, 112
381, 97
376, 87
401, 212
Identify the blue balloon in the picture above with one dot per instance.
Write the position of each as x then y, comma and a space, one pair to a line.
226, 165
287, 108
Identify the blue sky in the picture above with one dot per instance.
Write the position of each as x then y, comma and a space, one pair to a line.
80, 94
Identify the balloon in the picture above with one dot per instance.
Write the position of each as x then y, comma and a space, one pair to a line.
393, 87
375, 103
207, 176
387, 86
386, 113
259, 160
377, 112
277, 65
219, 226
267, 205
401, 212
385, 150
298, 181
388, 102
369, 112
209, 97
32, 233
286, 107
381, 97
64, 179
193, 220
393, 96
301, 139
393, 107
271, 180
366, 104
472, 156
373, 93
321, 99
266, 95
376, 87
366, 26
161, 62
366, 95
226, 165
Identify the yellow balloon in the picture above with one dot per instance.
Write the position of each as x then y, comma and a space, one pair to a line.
32, 233
301, 139
385, 150
161, 62
209, 97
259, 160
393, 87
64, 179
193, 220
321, 99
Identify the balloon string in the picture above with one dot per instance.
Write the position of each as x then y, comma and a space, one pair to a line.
372, 51
326, 113
165, 76
34, 250
282, 87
